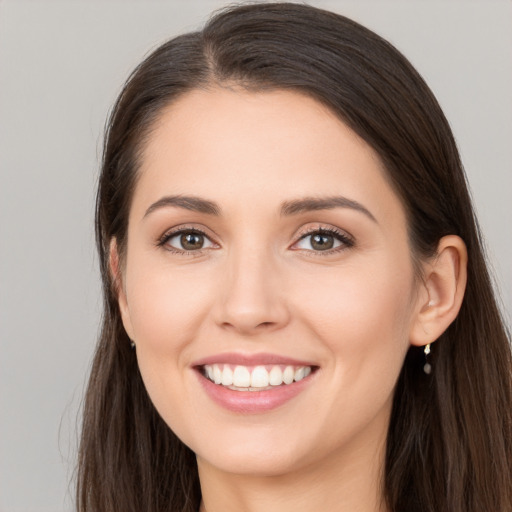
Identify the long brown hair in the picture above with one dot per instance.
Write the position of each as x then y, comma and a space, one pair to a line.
450, 438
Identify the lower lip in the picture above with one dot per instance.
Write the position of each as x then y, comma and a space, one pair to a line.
252, 402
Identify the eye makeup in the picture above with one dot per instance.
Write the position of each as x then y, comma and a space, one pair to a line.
325, 240
195, 241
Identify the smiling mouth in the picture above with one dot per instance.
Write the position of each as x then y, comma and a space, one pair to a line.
255, 378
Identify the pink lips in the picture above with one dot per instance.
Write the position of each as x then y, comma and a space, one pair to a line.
251, 360
251, 402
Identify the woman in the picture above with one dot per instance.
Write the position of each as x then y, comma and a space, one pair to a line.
298, 314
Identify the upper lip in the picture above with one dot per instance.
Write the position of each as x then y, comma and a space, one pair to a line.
251, 360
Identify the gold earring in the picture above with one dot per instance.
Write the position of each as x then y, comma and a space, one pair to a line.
427, 368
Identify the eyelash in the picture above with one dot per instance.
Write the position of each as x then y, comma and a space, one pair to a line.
171, 234
346, 241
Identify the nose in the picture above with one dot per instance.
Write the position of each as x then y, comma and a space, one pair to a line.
252, 296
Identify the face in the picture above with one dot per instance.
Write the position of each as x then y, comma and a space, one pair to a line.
268, 281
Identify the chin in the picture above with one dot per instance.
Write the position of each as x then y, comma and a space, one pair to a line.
258, 451
262, 462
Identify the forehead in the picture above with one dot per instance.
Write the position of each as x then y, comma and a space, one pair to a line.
240, 148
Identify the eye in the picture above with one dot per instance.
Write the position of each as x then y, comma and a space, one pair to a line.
186, 240
323, 239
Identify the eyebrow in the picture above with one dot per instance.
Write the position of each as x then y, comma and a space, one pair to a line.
309, 204
288, 208
195, 204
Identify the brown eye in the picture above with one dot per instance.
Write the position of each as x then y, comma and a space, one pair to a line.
187, 241
191, 241
322, 242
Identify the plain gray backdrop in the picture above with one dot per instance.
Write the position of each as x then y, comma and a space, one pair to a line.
61, 66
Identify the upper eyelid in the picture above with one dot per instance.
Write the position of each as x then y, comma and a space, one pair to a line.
325, 229
171, 232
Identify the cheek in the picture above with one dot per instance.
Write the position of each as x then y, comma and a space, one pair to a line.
167, 309
363, 313
166, 306
361, 317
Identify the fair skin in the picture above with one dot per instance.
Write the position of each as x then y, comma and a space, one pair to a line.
331, 287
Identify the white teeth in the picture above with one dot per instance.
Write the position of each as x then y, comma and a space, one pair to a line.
241, 377
275, 377
299, 374
259, 377
244, 379
227, 376
217, 374
288, 375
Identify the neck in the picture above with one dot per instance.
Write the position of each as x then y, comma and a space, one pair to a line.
347, 481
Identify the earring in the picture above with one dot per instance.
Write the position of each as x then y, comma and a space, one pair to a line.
132, 344
427, 368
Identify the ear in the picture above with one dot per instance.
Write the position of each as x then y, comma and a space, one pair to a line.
444, 285
117, 279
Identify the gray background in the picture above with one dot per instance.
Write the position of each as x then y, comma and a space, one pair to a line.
61, 66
